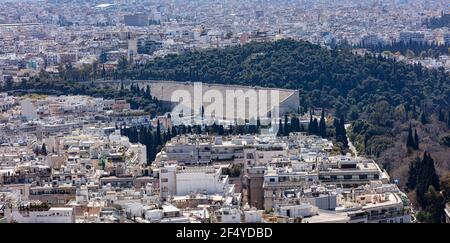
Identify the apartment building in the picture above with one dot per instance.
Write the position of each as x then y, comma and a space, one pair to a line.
178, 180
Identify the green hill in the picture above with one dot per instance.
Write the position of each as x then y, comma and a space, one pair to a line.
334, 79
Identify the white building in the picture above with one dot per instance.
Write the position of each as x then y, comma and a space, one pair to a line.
180, 181
28, 110
52, 215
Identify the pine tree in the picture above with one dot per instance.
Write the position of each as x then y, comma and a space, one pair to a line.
310, 126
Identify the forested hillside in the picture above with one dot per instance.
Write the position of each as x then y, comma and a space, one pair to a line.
335, 79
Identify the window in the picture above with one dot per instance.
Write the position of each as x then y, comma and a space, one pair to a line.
363, 177
347, 177
272, 179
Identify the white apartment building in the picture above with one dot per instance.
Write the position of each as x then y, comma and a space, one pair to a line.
377, 208
347, 172
52, 215
180, 181
6, 102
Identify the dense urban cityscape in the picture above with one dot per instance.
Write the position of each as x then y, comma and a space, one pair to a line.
156, 111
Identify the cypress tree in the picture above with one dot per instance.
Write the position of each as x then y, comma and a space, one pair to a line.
44, 149
341, 134
434, 208
416, 140
441, 115
36, 150
295, 124
286, 129
310, 123
174, 131
143, 135
322, 125
337, 127
203, 112
315, 127
423, 118
164, 138
148, 92
410, 140
412, 174
426, 177
280, 129
158, 134
434, 177
448, 120
220, 130
258, 124
151, 149
133, 135
189, 129
310, 126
